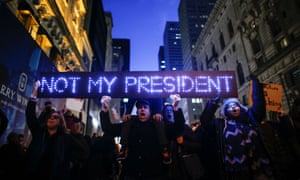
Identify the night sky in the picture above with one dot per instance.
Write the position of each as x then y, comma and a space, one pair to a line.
143, 22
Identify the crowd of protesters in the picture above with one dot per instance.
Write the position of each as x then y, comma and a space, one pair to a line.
157, 143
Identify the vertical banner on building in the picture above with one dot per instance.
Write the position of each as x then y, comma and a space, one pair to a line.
20, 61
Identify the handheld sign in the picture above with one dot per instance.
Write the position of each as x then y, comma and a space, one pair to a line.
272, 94
146, 84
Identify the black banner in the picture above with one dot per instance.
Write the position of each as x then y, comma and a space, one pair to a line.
146, 84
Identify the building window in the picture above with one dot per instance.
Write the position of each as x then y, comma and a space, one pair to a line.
222, 41
214, 52
283, 43
230, 29
201, 67
255, 45
260, 60
292, 77
224, 59
233, 47
240, 72
194, 64
274, 24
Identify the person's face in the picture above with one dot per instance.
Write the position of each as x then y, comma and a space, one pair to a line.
143, 112
169, 114
53, 120
233, 110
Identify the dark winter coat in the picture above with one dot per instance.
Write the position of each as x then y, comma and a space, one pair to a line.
279, 138
144, 159
102, 163
12, 157
213, 139
49, 157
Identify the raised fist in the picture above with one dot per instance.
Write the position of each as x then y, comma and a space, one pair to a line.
217, 99
34, 93
175, 99
36, 85
105, 100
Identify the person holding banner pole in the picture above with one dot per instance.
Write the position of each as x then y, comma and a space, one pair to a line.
155, 105
141, 140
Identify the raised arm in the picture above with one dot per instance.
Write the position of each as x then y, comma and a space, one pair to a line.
30, 113
3, 122
106, 124
179, 122
208, 114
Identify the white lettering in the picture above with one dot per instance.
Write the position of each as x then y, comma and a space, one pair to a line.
129, 81
156, 84
6, 91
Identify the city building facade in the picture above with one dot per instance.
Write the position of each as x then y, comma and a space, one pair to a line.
254, 37
73, 34
193, 15
172, 46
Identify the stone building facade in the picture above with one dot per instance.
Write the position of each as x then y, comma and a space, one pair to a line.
254, 37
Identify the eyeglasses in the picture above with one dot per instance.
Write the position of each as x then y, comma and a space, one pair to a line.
55, 117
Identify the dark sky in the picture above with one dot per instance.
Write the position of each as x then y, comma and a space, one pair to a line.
143, 22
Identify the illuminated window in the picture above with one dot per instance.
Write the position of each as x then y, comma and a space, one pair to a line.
197, 100
283, 43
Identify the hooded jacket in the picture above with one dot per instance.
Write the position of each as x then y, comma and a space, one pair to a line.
219, 133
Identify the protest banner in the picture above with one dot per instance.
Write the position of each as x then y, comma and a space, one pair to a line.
145, 84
